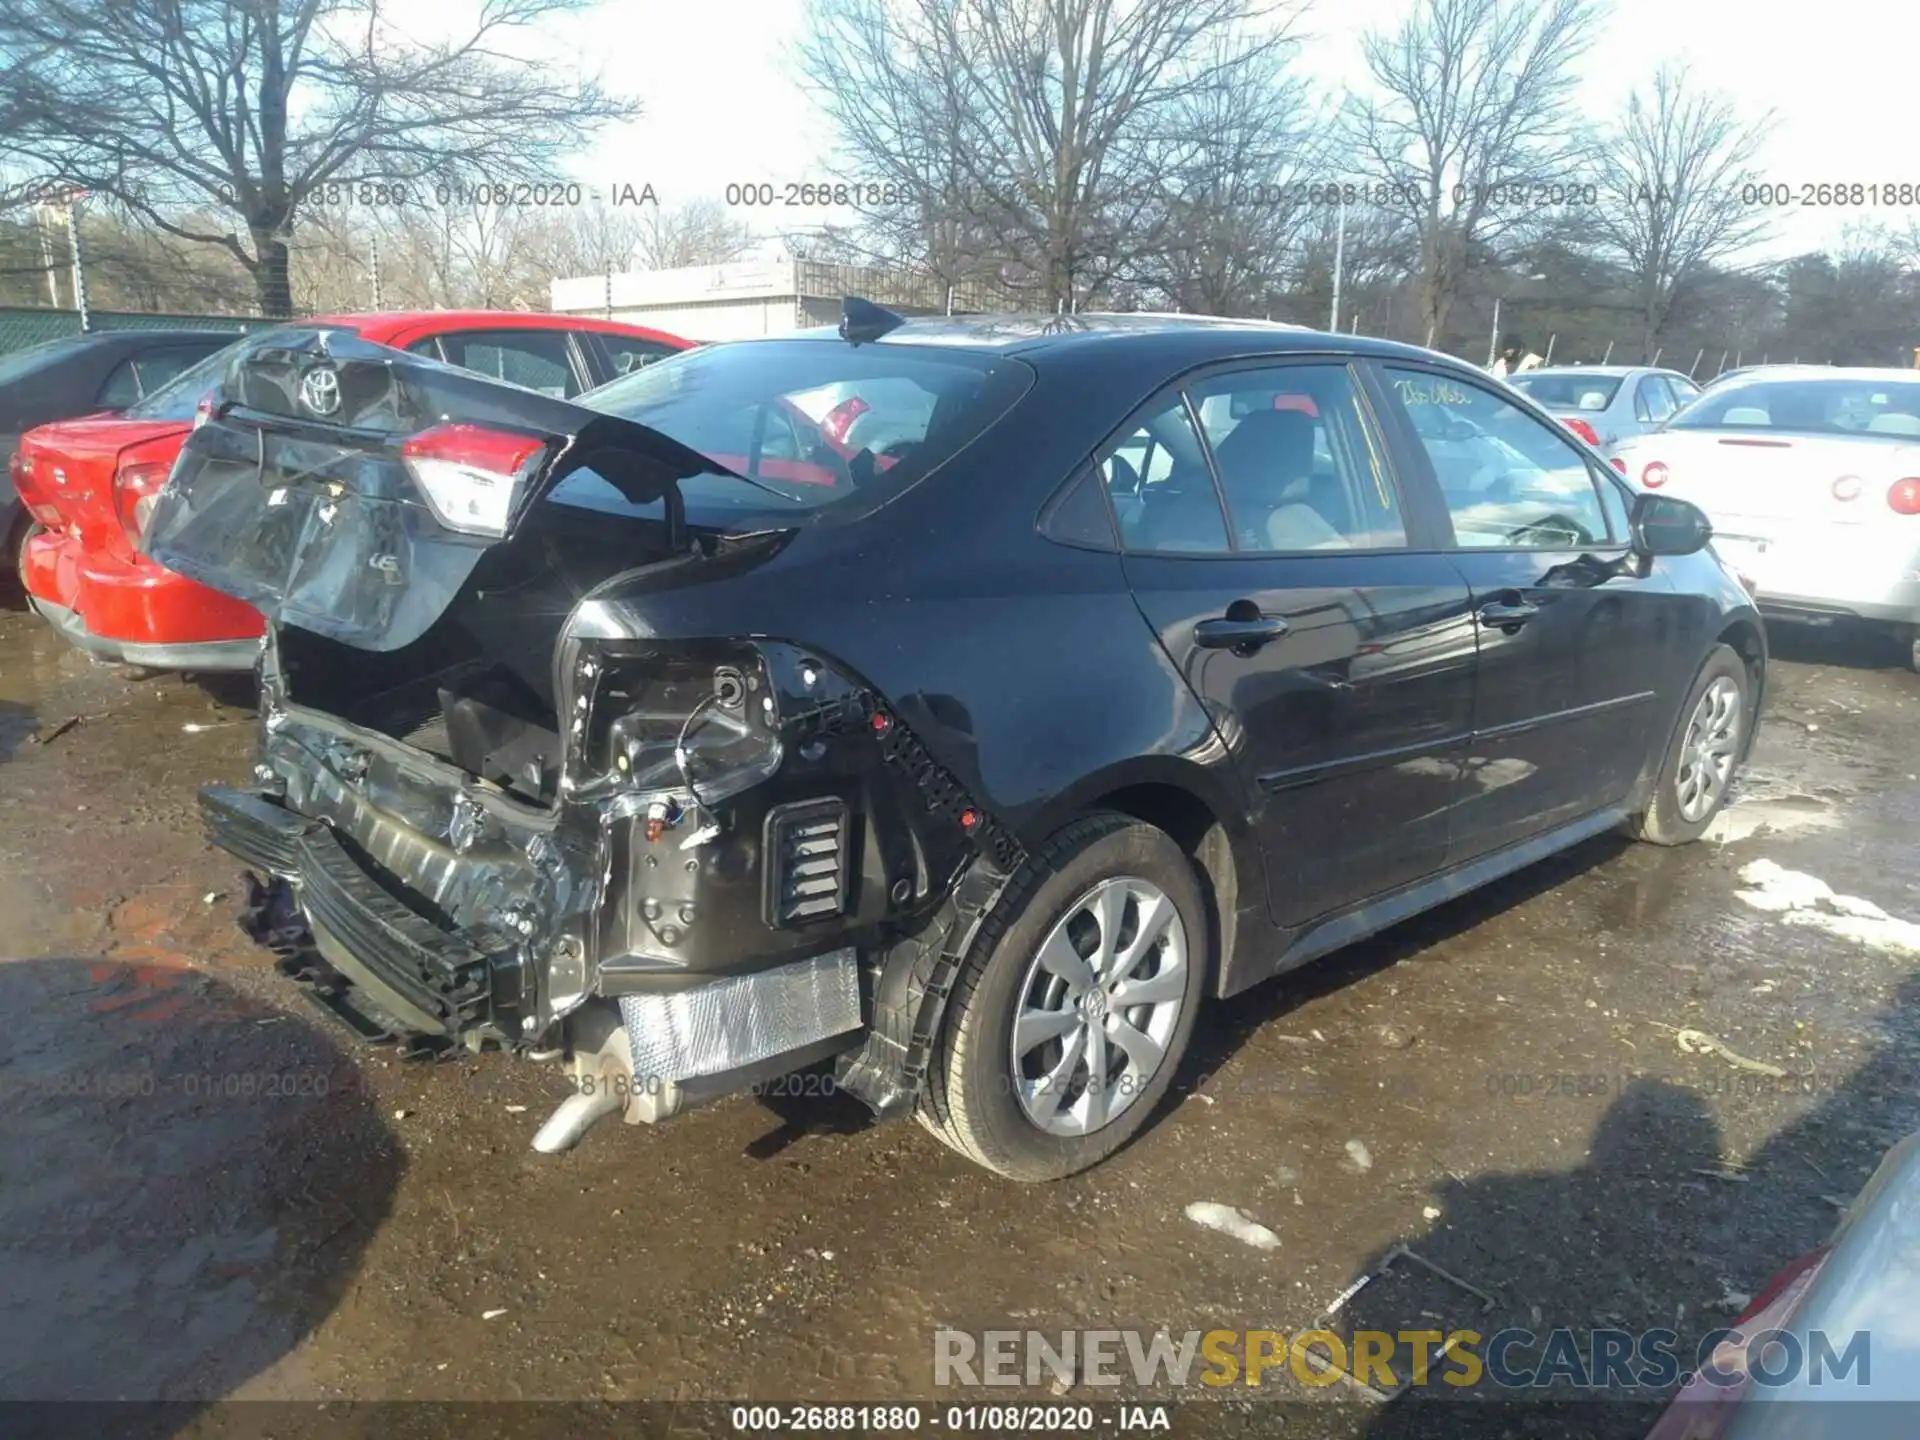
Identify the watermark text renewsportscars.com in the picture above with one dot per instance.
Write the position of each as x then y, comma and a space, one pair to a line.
1609, 1360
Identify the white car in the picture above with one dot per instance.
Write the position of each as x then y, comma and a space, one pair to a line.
1811, 476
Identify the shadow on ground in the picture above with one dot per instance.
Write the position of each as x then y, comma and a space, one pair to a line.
1858, 647
17, 723
187, 1180
1593, 1247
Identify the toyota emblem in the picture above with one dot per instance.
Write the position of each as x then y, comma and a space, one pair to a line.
320, 390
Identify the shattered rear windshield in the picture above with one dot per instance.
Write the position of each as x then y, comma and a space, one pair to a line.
809, 424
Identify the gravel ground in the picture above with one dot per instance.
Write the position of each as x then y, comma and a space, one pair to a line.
206, 1192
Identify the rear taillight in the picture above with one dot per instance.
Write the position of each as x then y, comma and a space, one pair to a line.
20, 467
1618, 464
1585, 431
1847, 487
136, 488
1654, 476
471, 475
1904, 497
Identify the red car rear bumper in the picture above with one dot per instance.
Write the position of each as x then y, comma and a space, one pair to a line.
134, 611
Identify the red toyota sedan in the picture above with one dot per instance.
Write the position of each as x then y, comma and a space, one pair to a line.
90, 483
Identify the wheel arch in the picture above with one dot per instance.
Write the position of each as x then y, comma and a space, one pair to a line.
1203, 817
1746, 636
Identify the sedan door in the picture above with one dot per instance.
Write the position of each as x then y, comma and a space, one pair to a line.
1268, 544
1578, 640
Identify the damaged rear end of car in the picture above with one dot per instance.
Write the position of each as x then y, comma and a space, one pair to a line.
493, 806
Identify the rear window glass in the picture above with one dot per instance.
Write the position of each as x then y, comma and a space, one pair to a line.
180, 396
1888, 408
811, 425
1569, 392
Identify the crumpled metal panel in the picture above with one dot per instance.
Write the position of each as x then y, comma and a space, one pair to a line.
743, 1019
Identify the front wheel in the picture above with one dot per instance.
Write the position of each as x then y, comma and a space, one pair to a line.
1070, 1016
1704, 753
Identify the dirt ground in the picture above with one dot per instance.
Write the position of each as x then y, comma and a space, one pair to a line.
205, 1192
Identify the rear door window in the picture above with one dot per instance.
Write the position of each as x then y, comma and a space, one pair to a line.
534, 359
1162, 486
1298, 463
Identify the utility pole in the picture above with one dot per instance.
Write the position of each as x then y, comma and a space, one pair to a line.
1493, 340
1609, 355
1339, 266
74, 198
43, 224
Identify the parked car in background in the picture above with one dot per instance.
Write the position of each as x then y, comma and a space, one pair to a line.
1605, 404
1834, 1330
1811, 476
91, 483
80, 375
973, 775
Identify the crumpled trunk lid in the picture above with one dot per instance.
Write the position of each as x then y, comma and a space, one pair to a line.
351, 489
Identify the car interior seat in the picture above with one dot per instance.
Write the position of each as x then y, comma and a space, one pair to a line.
1266, 463
1747, 415
1893, 422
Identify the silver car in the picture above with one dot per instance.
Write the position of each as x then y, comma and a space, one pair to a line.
1811, 476
1606, 404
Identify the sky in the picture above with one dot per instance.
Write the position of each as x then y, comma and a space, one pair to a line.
723, 102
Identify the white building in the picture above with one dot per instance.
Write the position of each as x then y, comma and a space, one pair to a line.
750, 298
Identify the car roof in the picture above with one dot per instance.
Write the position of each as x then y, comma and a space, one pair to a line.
373, 322
1193, 338
1881, 373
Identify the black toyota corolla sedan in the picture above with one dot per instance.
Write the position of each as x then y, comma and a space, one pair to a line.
949, 705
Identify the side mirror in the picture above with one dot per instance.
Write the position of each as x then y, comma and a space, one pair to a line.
1668, 525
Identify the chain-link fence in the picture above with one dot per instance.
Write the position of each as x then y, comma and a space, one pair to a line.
21, 326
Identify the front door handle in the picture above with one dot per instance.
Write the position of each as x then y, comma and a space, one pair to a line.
1507, 615
1243, 637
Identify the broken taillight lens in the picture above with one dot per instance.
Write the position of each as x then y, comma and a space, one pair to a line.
472, 475
136, 489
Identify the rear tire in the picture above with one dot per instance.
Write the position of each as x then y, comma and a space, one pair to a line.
1063, 953
1704, 754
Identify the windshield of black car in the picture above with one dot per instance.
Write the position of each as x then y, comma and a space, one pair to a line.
180, 396
1569, 392
815, 424
1883, 409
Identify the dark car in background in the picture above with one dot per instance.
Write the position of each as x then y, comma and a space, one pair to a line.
81, 375
1163, 656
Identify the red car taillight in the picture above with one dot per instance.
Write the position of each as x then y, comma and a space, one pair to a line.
1904, 497
1618, 464
472, 475
135, 489
1654, 476
1585, 431
20, 468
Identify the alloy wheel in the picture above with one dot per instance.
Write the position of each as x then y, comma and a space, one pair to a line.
1099, 1006
1707, 753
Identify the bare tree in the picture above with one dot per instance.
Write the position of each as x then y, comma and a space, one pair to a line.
1026, 141
1672, 171
253, 109
1243, 166
1472, 125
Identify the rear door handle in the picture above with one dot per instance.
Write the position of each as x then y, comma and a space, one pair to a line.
1507, 615
1241, 636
